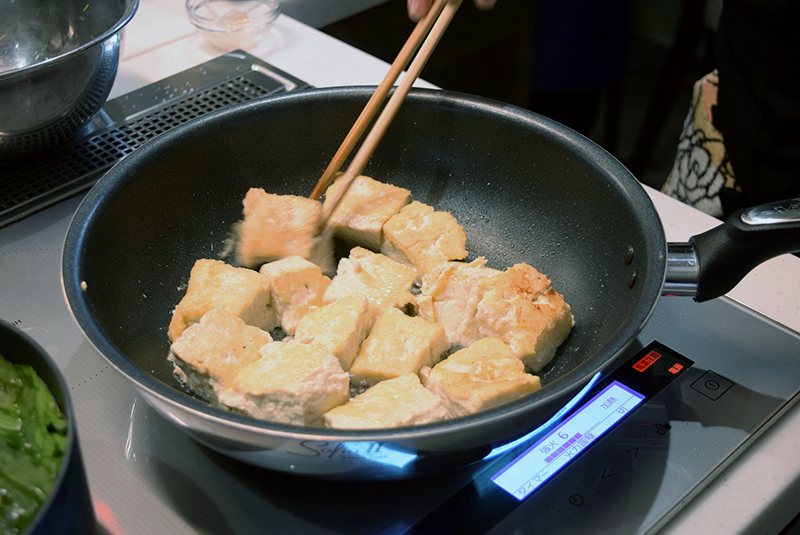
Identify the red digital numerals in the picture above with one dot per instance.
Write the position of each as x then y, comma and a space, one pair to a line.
646, 361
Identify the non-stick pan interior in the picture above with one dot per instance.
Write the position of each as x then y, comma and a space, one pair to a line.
525, 189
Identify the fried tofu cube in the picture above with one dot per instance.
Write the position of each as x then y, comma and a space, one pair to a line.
517, 305
210, 353
278, 226
367, 205
421, 237
296, 286
291, 383
395, 402
450, 296
521, 307
484, 375
339, 328
215, 284
397, 345
383, 281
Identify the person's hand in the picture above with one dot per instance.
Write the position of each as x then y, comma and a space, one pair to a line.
418, 8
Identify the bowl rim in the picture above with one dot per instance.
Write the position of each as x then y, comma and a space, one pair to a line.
215, 25
65, 404
131, 6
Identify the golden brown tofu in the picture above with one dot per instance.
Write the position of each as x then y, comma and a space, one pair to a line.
383, 281
521, 307
296, 286
423, 238
211, 352
339, 328
291, 383
517, 305
450, 296
215, 284
392, 403
367, 205
397, 345
278, 226
484, 375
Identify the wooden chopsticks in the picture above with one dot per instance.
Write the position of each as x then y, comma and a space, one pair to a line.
433, 24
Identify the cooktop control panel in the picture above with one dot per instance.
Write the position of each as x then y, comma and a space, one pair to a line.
647, 438
517, 476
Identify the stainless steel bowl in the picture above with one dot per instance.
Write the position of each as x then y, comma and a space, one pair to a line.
58, 61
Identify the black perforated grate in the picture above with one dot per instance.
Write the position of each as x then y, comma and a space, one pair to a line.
31, 184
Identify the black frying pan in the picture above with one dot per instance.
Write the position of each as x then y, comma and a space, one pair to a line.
525, 188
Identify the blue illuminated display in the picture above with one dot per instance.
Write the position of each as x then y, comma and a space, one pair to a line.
541, 461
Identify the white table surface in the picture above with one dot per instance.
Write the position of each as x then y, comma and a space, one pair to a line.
754, 494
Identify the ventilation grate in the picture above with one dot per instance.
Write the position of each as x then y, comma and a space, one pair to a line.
127, 122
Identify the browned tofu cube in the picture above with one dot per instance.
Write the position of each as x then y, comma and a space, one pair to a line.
291, 383
450, 296
383, 281
339, 328
484, 375
392, 403
296, 286
521, 308
278, 226
517, 305
367, 205
397, 345
215, 284
423, 238
210, 353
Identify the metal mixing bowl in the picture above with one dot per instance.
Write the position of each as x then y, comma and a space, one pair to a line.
58, 61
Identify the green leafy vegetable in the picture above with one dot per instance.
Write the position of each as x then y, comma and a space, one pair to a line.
33, 439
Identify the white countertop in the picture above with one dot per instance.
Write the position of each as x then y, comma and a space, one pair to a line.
159, 41
746, 497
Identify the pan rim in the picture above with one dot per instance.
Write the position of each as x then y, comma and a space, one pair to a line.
118, 177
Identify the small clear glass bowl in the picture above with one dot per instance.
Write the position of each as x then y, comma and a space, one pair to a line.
233, 23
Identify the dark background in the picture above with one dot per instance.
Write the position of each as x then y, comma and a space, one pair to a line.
640, 113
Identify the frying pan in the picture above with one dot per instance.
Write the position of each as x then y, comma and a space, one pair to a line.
525, 189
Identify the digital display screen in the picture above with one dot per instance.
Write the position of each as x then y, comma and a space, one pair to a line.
533, 467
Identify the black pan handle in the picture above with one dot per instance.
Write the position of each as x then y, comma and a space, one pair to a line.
721, 257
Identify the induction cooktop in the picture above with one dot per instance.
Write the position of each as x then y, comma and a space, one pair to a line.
623, 458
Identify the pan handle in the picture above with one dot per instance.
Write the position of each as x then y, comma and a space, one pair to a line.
713, 262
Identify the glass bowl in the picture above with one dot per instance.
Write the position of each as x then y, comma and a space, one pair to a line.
233, 23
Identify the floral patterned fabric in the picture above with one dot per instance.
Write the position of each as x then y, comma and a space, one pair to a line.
701, 167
